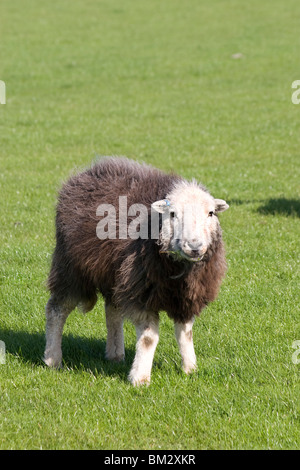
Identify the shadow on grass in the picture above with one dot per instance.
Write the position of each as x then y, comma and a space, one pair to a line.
281, 206
79, 353
273, 206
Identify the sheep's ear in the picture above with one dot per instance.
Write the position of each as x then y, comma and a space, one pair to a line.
160, 206
221, 205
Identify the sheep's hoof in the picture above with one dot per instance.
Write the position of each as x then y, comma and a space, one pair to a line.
115, 357
139, 381
52, 362
120, 358
189, 368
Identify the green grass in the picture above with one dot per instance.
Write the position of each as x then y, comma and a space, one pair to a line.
155, 81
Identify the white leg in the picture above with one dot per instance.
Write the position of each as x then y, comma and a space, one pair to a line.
184, 336
56, 315
115, 350
147, 339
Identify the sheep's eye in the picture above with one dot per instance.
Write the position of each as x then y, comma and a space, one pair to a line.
211, 213
172, 214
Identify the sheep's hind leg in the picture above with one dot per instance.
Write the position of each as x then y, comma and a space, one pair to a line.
115, 350
56, 315
184, 336
147, 339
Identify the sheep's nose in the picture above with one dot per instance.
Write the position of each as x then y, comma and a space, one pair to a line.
195, 246
195, 253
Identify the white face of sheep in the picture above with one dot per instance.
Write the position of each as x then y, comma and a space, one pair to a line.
189, 221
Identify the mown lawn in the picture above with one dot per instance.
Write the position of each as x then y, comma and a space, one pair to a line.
158, 82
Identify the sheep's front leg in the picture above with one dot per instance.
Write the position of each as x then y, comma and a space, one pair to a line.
184, 336
147, 339
115, 350
56, 315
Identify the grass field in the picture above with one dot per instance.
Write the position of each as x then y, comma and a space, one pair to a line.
156, 81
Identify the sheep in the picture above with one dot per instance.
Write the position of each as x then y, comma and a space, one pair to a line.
178, 270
